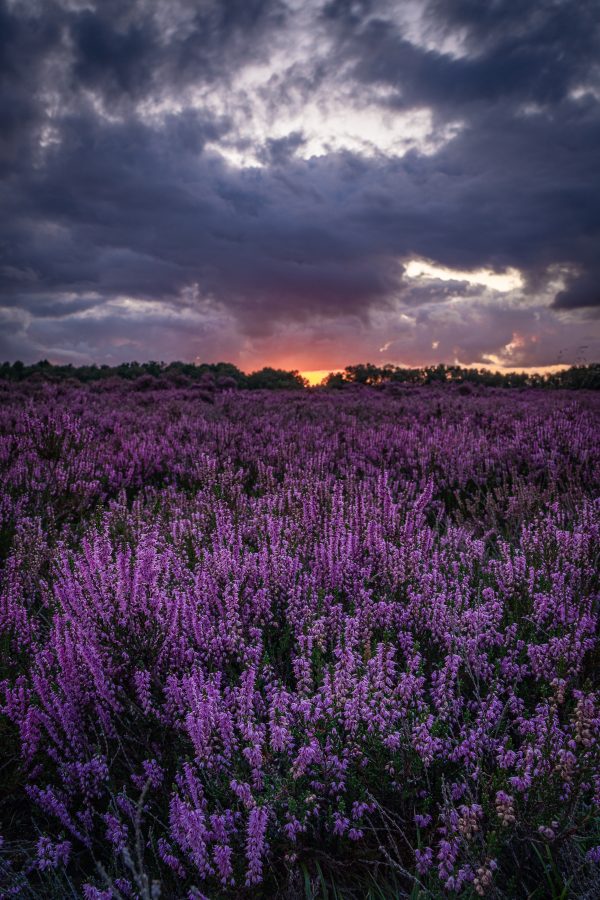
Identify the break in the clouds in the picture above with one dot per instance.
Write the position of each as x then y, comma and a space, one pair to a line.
300, 183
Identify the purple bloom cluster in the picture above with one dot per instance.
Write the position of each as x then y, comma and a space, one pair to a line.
236, 633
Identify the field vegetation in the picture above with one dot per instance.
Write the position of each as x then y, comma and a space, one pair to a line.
334, 643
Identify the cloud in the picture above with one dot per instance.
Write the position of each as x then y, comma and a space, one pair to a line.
581, 290
260, 179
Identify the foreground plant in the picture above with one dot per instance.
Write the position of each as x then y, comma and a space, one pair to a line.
290, 645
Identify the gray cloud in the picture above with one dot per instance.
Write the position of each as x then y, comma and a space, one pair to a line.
151, 200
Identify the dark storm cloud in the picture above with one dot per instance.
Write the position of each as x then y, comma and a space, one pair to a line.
533, 51
116, 121
527, 156
125, 52
25, 44
581, 291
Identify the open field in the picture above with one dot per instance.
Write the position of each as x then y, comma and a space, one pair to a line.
328, 644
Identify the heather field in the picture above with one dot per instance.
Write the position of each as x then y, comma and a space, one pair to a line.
329, 644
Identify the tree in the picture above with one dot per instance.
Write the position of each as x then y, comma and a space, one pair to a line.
276, 379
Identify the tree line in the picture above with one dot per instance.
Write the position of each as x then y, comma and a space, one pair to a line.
224, 375
148, 375
579, 376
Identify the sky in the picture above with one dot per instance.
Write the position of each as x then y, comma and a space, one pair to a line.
300, 183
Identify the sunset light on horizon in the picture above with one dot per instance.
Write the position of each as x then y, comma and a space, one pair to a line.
315, 377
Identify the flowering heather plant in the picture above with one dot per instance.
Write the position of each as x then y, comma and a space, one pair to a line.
339, 638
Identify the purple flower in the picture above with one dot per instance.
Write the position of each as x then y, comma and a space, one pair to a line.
424, 860
51, 854
422, 821
276, 617
255, 843
593, 855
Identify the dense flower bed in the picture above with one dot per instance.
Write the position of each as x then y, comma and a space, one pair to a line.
284, 642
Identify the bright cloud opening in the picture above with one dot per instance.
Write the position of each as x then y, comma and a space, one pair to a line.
509, 280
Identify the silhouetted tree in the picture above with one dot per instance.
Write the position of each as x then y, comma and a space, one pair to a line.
275, 380
225, 376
